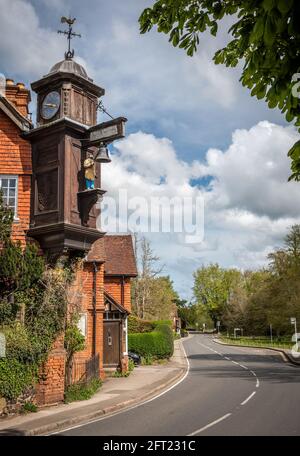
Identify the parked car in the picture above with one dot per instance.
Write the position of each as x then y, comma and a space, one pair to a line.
135, 358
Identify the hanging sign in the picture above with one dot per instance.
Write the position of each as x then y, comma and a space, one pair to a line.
107, 131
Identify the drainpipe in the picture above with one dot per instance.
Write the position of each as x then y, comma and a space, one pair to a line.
122, 291
95, 270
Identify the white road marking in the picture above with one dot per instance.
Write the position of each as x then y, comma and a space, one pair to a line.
129, 408
248, 398
209, 425
257, 383
226, 357
244, 367
253, 373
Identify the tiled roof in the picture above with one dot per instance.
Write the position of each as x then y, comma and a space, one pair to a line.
97, 252
120, 258
9, 109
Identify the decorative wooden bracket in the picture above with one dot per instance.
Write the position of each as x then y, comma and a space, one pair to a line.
86, 200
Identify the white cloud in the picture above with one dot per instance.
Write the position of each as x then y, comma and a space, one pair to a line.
26, 47
249, 203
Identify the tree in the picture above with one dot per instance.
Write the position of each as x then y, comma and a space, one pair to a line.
21, 269
162, 299
148, 270
292, 242
266, 38
212, 287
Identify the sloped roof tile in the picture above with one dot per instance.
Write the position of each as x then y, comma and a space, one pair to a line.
120, 257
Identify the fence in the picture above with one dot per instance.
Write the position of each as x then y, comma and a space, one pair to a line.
82, 371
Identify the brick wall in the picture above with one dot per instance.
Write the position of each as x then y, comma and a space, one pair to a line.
18, 95
83, 294
113, 285
50, 388
52, 379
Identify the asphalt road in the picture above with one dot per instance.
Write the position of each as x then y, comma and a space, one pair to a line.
228, 391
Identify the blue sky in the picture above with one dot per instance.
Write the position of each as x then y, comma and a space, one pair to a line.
227, 146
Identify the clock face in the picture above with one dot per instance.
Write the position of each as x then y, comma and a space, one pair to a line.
50, 105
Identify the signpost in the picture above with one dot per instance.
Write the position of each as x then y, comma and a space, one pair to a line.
218, 326
294, 322
271, 333
236, 330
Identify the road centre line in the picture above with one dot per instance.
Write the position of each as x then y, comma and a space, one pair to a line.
248, 398
209, 425
242, 403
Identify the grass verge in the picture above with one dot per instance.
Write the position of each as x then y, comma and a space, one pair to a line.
256, 342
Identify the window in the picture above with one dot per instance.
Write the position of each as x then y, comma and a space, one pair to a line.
9, 186
82, 324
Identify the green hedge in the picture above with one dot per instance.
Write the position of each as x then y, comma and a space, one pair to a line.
157, 344
137, 325
162, 322
15, 377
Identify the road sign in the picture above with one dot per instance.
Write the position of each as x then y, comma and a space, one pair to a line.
106, 132
296, 338
218, 323
293, 320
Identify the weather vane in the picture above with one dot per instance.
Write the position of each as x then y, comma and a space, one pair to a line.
70, 34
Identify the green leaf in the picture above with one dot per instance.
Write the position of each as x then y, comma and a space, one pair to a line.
284, 6
258, 30
289, 116
269, 32
268, 4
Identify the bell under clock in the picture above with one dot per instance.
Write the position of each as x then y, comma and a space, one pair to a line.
50, 105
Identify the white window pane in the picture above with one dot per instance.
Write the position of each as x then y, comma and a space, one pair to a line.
8, 185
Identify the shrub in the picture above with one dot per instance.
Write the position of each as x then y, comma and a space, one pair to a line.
119, 373
156, 323
15, 377
137, 325
82, 391
157, 344
29, 407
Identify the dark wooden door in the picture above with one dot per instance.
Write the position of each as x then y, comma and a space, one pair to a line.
111, 343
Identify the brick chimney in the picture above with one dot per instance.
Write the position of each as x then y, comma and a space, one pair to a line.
18, 95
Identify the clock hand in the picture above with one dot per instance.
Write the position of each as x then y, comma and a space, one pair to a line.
50, 105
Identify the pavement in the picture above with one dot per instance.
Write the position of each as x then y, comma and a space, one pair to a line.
228, 391
144, 383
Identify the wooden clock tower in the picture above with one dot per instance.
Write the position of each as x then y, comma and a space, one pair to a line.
63, 210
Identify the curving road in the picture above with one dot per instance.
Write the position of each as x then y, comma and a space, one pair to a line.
228, 391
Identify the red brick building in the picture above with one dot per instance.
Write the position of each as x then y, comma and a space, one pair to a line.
103, 284
15, 155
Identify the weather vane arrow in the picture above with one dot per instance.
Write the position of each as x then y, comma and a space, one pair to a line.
70, 34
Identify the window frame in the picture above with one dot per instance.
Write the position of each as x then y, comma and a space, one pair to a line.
16, 177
